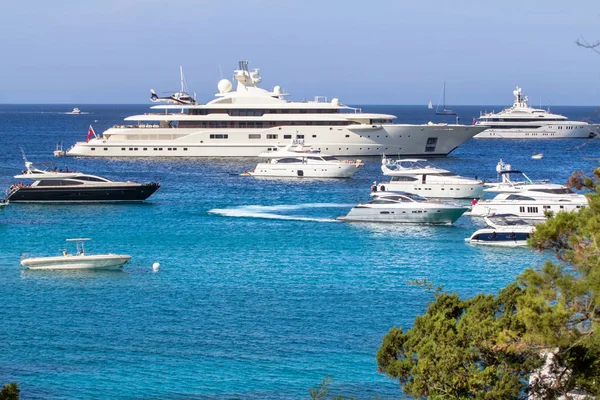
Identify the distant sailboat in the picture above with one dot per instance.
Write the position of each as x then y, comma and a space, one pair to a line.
444, 111
429, 105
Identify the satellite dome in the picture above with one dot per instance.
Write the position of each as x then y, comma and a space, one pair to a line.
224, 86
335, 101
277, 90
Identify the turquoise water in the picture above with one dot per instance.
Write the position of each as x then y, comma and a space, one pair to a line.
261, 293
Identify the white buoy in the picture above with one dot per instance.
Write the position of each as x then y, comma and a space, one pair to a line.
155, 267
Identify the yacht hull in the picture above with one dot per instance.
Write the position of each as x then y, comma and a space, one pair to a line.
417, 215
501, 237
103, 262
394, 139
304, 170
127, 193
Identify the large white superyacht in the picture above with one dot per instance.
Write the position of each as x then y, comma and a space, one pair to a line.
524, 122
251, 120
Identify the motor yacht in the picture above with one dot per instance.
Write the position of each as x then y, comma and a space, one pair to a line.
531, 205
251, 120
415, 176
76, 111
503, 230
57, 185
524, 122
295, 160
403, 207
512, 181
79, 260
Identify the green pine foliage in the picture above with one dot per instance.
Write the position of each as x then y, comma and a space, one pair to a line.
10, 391
488, 346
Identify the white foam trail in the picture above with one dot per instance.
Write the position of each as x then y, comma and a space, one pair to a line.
268, 212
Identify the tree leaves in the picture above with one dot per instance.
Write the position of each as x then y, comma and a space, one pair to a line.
487, 347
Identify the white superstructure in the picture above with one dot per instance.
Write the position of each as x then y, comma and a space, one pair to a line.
524, 122
415, 176
296, 161
250, 120
512, 181
529, 204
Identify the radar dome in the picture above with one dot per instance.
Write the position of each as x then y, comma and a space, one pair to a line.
335, 101
224, 86
277, 90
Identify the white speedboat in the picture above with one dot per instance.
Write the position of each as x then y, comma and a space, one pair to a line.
524, 122
529, 204
503, 230
414, 176
513, 181
79, 260
404, 208
295, 160
250, 120
76, 111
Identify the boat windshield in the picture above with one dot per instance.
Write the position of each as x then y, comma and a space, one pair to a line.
288, 160
553, 191
399, 197
507, 220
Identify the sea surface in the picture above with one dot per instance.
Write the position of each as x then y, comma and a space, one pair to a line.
261, 293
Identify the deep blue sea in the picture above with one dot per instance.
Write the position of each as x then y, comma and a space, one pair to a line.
261, 298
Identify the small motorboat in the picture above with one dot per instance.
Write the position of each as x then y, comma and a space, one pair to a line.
503, 230
79, 260
59, 152
76, 111
537, 156
403, 207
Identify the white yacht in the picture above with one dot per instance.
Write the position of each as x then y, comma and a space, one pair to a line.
76, 111
512, 181
524, 122
79, 260
415, 176
529, 204
404, 208
295, 160
251, 120
503, 230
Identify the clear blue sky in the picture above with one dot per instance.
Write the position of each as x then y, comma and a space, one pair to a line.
363, 52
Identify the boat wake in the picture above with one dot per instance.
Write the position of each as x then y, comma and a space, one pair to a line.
277, 212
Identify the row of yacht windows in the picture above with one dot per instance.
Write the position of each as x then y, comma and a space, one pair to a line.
520, 119
257, 124
260, 112
533, 210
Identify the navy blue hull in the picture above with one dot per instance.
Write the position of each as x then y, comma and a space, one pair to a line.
72, 194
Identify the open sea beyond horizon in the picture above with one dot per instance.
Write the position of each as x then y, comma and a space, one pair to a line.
261, 292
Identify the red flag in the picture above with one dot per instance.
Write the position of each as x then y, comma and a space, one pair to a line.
91, 133
474, 121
